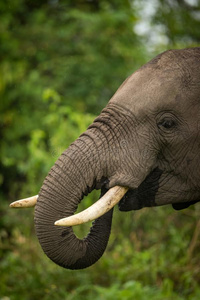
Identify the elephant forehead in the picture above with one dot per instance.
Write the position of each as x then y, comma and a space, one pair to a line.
149, 89
169, 80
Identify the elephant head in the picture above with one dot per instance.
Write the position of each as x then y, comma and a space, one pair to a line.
146, 139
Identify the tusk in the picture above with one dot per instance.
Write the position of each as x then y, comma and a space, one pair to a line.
99, 208
27, 202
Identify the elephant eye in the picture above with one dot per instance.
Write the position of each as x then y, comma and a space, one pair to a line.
167, 123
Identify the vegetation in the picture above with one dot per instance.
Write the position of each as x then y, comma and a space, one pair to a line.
60, 62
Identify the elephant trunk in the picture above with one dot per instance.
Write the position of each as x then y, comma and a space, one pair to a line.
74, 175
97, 156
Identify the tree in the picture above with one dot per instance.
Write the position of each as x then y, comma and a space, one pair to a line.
57, 54
180, 20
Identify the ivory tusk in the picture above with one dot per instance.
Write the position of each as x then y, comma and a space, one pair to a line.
99, 208
27, 202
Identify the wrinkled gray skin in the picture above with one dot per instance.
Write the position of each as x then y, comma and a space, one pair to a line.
147, 138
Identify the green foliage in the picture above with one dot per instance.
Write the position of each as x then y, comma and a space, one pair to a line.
84, 55
181, 20
60, 62
57, 59
146, 258
169, 24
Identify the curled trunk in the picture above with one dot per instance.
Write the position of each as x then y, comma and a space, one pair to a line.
74, 175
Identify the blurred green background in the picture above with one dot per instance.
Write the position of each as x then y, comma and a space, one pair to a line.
60, 62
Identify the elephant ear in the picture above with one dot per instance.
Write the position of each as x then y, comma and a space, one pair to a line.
183, 205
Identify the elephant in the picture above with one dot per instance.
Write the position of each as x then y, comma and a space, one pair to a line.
146, 140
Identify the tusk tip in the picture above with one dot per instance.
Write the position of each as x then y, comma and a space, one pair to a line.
15, 204
27, 202
67, 222
58, 223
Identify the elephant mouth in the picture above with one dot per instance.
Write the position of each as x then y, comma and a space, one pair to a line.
127, 199
144, 195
